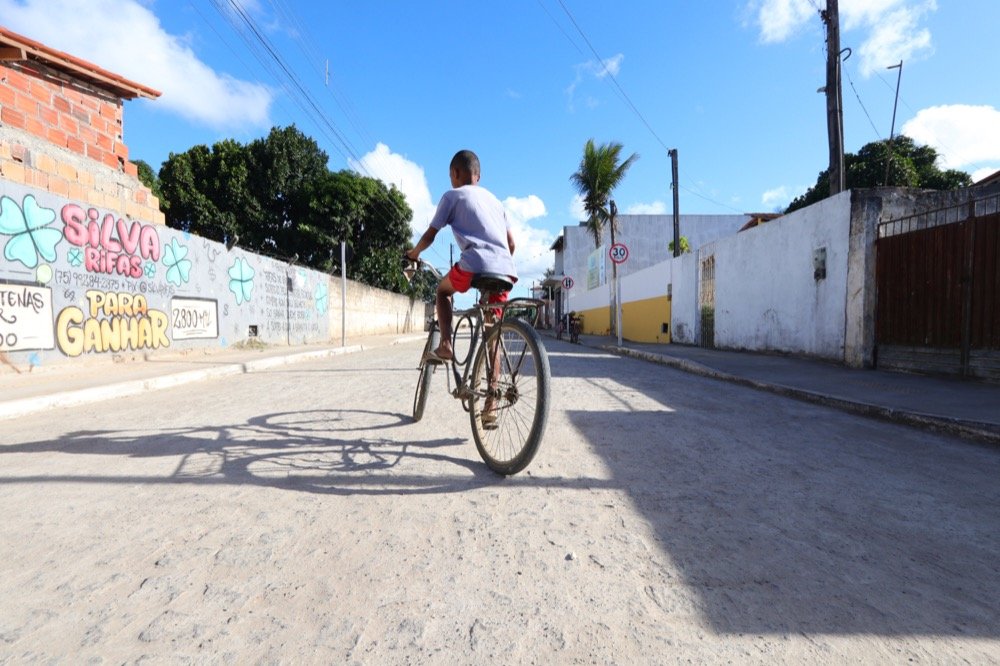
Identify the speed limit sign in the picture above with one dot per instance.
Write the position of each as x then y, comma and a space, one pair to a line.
618, 253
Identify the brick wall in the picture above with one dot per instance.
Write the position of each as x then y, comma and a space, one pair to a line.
64, 135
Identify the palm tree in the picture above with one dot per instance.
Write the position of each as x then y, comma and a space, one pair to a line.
600, 172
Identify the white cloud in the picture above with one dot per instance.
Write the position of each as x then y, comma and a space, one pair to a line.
526, 208
979, 174
655, 208
611, 66
593, 69
964, 136
532, 251
776, 197
576, 208
894, 37
394, 169
893, 28
143, 52
778, 19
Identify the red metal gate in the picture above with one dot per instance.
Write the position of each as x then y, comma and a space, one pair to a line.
938, 291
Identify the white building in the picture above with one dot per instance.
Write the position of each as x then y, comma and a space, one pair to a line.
645, 276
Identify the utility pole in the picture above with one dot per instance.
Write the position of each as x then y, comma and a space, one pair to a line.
343, 294
677, 216
888, 159
834, 102
614, 271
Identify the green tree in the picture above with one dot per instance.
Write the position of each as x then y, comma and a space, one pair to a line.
206, 191
685, 245
278, 197
283, 170
909, 165
373, 220
599, 173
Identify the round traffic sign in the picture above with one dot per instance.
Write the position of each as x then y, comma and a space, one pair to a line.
618, 253
567, 282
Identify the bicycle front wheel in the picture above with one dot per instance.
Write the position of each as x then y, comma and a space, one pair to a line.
424, 381
510, 405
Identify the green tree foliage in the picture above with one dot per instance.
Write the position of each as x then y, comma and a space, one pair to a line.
372, 218
685, 245
206, 191
910, 165
600, 172
278, 197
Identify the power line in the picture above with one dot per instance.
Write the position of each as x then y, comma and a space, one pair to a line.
611, 76
621, 91
307, 45
284, 75
851, 81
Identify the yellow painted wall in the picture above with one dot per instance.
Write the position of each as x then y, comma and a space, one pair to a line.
642, 321
596, 321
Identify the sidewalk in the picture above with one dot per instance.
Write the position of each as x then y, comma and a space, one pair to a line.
968, 409
26, 391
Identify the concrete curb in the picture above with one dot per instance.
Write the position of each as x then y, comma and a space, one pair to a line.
979, 431
15, 408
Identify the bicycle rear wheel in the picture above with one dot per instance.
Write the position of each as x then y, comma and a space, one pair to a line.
426, 372
510, 383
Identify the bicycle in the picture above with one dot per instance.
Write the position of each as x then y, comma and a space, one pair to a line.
503, 377
575, 327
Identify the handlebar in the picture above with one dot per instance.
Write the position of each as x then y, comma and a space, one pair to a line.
410, 268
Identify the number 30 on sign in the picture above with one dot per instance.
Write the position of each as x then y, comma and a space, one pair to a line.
618, 253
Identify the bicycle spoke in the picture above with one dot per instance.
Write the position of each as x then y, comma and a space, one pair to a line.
511, 383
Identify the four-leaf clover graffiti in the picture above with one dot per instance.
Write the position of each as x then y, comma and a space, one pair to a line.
178, 268
31, 237
241, 280
321, 295
75, 257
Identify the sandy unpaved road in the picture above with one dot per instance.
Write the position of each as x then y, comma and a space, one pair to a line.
296, 516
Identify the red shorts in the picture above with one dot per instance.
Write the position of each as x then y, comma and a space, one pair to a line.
461, 280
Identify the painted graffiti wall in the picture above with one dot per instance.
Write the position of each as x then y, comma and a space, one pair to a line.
77, 281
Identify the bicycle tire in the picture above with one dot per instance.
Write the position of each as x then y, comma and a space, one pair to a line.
522, 397
424, 381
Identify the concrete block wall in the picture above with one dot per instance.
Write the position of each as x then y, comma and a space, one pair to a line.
372, 311
684, 320
88, 283
767, 293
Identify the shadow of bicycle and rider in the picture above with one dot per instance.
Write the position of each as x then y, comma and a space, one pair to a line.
327, 451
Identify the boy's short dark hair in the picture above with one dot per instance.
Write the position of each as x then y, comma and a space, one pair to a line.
466, 161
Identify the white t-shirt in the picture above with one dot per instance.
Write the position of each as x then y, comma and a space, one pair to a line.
480, 224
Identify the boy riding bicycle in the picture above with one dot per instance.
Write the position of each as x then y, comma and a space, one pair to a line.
483, 234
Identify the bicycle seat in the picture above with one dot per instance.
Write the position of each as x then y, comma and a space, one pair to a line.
492, 282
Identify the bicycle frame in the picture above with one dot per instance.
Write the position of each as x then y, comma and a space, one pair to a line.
483, 319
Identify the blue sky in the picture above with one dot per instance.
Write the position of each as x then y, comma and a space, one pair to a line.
731, 84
